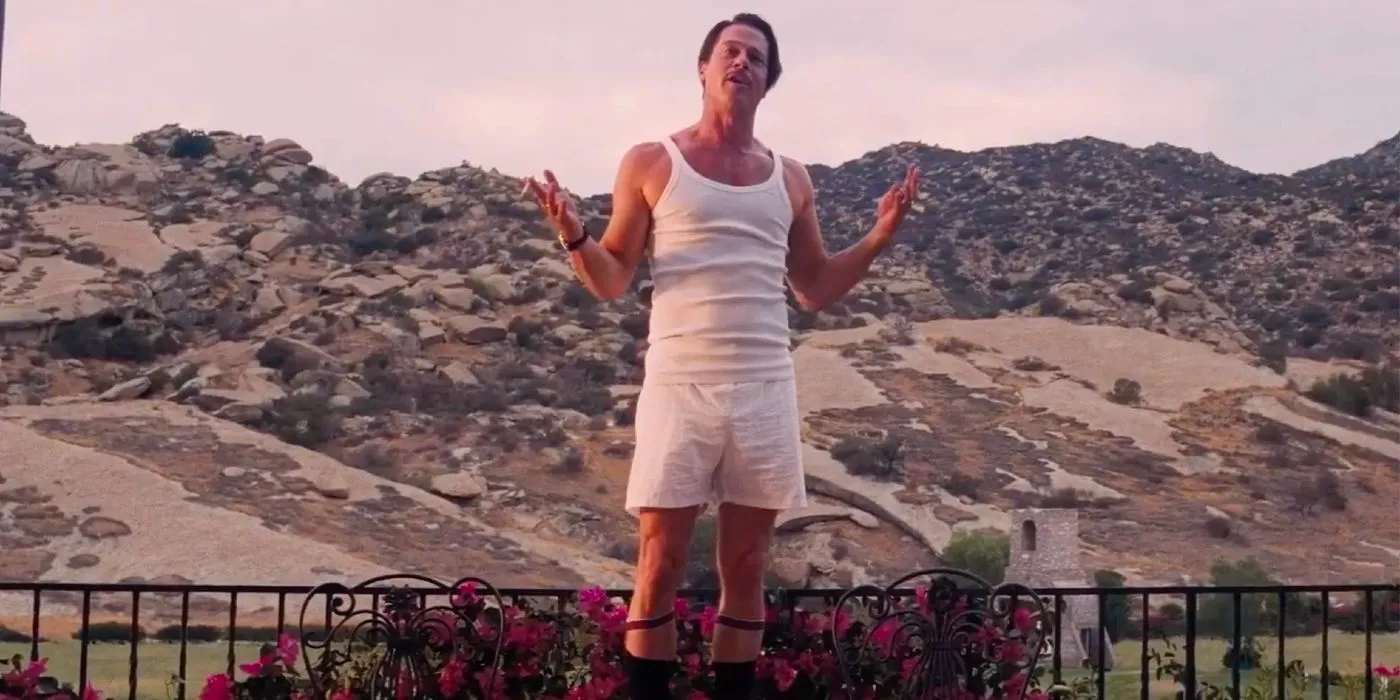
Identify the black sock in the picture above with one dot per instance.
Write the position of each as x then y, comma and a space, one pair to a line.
648, 679
733, 680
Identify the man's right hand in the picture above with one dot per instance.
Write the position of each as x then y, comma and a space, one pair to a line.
557, 205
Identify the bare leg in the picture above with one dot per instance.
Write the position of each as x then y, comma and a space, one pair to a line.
742, 550
663, 542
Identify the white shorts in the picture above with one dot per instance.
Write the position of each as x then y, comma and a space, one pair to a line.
718, 443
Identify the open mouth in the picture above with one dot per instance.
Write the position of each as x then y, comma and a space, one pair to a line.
737, 80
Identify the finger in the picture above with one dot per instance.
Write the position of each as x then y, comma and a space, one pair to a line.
549, 177
533, 188
553, 196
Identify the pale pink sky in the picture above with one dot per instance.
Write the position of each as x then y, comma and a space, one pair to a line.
374, 85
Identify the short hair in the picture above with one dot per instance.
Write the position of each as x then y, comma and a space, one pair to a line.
775, 66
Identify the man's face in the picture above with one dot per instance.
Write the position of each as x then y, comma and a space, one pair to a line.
737, 70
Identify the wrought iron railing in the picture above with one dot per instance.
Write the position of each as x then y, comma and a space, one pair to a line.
1146, 642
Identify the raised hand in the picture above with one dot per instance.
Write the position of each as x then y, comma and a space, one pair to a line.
896, 202
558, 207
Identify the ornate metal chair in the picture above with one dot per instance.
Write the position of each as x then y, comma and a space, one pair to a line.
941, 634
398, 645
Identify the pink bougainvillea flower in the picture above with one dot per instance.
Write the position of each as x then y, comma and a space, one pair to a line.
91, 693
812, 623
29, 676
708, 617
255, 668
1012, 687
452, 677
217, 687
591, 599
1023, 620
465, 595
784, 674
882, 637
287, 650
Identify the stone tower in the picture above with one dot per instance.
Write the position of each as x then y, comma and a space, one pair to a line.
1045, 554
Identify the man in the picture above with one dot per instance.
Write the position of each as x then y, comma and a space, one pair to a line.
724, 220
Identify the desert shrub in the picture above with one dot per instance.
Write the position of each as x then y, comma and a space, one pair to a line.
570, 462
527, 333
878, 459
1125, 391
1271, 433
110, 632
108, 337
194, 634
1375, 387
1138, 291
193, 144
1033, 364
1218, 527
1274, 355
963, 485
87, 255
956, 346
307, 420
1051, 305
1328, 487
898, 330
282, 357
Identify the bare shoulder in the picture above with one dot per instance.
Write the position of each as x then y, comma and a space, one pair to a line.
794, 168
646, 166
797, 179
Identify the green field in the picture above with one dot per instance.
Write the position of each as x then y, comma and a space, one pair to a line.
109, 664
1346, 655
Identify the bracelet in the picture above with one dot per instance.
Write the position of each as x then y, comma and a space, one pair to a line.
575, 244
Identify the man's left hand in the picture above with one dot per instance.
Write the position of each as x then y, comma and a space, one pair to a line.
896, 202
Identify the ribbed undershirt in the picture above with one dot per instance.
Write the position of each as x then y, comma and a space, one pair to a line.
718, 264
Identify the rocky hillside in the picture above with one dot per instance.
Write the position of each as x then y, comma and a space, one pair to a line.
1307, 265
206, 331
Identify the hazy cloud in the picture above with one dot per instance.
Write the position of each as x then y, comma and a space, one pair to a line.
369, 85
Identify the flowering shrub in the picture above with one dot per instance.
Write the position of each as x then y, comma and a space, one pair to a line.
576, 654
29, 681
1387, 686
272, 677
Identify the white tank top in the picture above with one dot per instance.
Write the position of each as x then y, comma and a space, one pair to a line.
718, 257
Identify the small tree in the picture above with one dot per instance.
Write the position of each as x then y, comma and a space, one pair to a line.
1116, 607
985, 552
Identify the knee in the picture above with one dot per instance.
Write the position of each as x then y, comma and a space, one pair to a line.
660, 565
744, 564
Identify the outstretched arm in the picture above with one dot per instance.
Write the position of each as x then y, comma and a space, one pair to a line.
606, 266
819, 279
